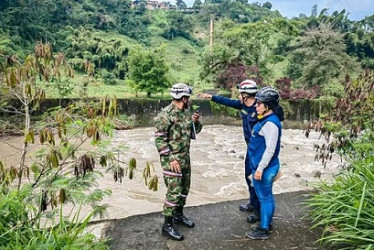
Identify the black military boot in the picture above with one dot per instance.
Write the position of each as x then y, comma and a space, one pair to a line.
260, 234
169, 230
179, 218
247, 207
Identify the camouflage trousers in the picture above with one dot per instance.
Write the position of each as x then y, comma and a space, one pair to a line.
177, 184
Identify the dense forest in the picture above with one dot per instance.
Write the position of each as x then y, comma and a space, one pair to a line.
308, 56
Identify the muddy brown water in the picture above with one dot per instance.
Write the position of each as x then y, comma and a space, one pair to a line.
217, 157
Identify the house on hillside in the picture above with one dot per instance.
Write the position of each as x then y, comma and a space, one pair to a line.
189, 10
153, 5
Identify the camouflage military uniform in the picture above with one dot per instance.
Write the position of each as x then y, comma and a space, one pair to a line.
172, 140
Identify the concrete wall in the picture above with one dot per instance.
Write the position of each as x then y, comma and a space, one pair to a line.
297, 113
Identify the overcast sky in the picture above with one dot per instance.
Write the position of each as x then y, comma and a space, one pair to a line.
358, 9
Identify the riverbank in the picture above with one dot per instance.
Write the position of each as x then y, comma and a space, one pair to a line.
219, 226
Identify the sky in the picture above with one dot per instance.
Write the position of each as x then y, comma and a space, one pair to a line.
358, 9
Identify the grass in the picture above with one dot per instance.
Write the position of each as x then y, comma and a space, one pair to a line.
96, 88
183, 58
345, 207
184, 67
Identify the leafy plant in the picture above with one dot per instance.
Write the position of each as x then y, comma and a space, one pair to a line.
344, 207
61, 172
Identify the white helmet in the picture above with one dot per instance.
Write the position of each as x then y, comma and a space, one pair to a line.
179, 90
248, 86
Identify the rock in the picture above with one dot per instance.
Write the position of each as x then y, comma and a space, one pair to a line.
317, 174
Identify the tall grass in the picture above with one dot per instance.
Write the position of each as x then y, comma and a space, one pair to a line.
17, 231
345, 208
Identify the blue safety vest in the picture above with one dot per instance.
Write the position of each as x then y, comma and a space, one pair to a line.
257, 144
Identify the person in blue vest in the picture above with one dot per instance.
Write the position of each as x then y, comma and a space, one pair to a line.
263, 153
246, 103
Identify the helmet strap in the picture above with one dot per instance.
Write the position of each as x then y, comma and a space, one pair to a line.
244, 96
260, 116
186, 102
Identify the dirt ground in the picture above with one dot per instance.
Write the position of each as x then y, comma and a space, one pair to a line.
219, 226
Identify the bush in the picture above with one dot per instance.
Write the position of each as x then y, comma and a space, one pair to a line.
109, 78
187, 50
345, 207
17, 231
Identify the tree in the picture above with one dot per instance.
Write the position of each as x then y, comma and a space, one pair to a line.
267, 5
197, 4
314, 10
61, 172
243, 1
178, 24
181, 4
147, 70
250, 44
323, 52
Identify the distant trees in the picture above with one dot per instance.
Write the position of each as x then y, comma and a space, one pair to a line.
314, 10
104, 31
250, 46
178, 25
181, 4
267, 5
105, 53
148, 70
197, 4
324, 62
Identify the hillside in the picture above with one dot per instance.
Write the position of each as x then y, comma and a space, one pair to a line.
249, 40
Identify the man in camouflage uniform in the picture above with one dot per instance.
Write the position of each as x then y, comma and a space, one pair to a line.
175, 127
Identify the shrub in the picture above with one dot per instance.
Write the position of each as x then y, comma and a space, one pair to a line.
109, 78
345, 207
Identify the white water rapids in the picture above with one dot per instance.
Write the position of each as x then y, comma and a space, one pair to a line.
217, 159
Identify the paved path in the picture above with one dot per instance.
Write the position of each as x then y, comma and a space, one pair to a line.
219, 226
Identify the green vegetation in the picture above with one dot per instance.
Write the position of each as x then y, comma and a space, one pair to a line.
147, 70
249, 40
344, 207
33, 194
116, 49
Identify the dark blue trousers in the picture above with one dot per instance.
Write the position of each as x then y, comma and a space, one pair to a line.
253, 199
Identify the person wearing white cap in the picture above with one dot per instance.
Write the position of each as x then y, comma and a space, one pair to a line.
246, 103
174, 126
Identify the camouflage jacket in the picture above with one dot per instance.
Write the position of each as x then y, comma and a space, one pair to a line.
173, 135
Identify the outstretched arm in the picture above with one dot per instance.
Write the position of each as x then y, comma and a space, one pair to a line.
236, 104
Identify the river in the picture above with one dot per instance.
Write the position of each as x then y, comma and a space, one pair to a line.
217, 157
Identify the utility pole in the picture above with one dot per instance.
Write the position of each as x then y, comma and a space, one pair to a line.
211, 35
